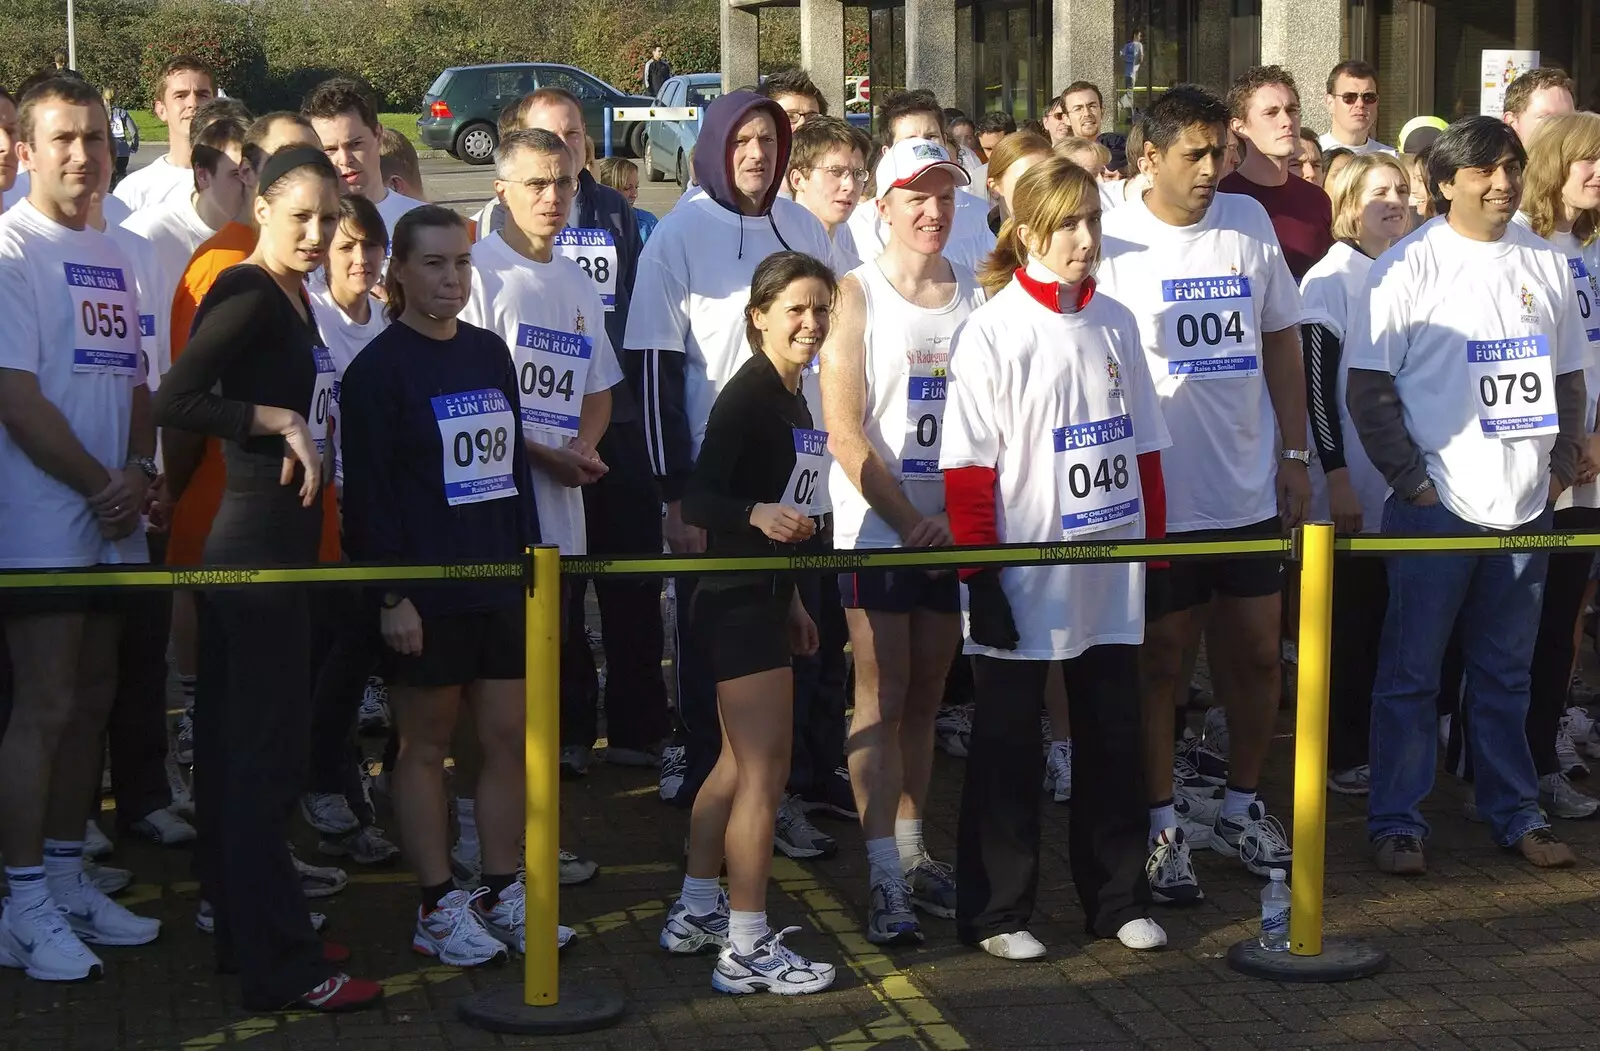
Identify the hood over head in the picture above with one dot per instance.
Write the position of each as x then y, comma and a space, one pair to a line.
713, 155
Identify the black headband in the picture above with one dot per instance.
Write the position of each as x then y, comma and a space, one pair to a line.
287, 160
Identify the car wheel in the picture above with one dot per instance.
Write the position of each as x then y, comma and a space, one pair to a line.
680, 173
476, 143
637, 140
651, 172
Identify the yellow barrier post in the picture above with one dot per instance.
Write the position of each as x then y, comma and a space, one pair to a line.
544, 1005
1309, 958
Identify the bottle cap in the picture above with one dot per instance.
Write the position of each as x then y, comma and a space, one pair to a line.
1277, 875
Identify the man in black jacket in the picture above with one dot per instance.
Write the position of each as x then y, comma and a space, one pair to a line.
656, 71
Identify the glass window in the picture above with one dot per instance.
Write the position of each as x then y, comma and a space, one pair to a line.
509, 83
1463, 29
568, 80
702, 94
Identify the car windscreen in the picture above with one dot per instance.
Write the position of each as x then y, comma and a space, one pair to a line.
702, 94
437, 87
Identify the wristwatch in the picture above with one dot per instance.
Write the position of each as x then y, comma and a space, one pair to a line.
145, 464
391, 600
1299, 455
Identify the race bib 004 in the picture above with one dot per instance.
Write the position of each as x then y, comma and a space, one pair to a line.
1097, 475
107, 329
552, 371
1513, 386
477, 429
1208, 328
596, 252
807, 490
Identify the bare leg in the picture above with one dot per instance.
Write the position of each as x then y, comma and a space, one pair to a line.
935, 639
44, 662
1247, 633
881, 642
1055, 703
426, 718
758, 721
75, 773
499, 709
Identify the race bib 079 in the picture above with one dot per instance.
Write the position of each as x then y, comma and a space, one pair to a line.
552, 371
806, 491
477, 429
1208, 328
1097, 475
596, 252
1513, 386
107, 328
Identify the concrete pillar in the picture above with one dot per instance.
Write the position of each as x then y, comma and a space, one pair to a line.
1085, 45
1209, 59
1306, 37
931, 48
741, 46
822, 48
966, 97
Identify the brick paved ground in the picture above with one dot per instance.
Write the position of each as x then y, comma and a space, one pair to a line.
1487, 953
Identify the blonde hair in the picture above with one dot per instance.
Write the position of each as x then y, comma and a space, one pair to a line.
1561, 142
1347, 185
1013, 148
1047, 195
1073, 149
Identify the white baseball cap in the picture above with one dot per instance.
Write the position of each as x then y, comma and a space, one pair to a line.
910, 159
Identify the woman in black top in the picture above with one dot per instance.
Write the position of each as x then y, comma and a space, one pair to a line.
254, 373
435, 472
753, 490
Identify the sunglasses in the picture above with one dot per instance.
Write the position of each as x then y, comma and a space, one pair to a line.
1349, 97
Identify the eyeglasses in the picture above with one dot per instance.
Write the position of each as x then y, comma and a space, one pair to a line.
565, 184
840, 172
1349, 97
1085, 107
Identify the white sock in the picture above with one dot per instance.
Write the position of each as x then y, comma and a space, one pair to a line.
1236, 803
1161, 819
883, 860
908, 839
63, 867
745, 929
467, 819
28, 886
700, 895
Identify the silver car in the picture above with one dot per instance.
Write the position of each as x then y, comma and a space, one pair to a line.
669, 144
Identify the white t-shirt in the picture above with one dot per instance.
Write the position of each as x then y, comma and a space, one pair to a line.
1205, 297
18, 192
393, 206
693, 283
1328, 142
1584, 263
174, 230
907, 356
970, 242
1025, 381
156, 183
550, 315
1330, 290
53, 282
153, 314
844, 258
1474, 334
344, 337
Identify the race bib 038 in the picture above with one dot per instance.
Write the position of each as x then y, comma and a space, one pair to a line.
596, 252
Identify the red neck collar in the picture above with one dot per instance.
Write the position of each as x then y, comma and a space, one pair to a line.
1048, 293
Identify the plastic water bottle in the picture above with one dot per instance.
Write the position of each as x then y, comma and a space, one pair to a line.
1275, 913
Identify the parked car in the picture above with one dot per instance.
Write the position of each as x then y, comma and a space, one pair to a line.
461, 111
670, 143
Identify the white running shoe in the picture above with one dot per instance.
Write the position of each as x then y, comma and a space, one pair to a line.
1255, 839
685, 933
365, 846
1356, 781
97, 920
1557, 796
1018, 945
1170, 869
329, 813
1058, 771
319, 881
795, 836
95, 843
205, 919
952, 730
454, 932
1575, 726
890, 917
40, 942
1197, 812
374, 714
572, 870
507, 920
1142, 935
674, 767
164, 827
179, 788
109, 878
1214, 731
771, 967
466, 865
183, 741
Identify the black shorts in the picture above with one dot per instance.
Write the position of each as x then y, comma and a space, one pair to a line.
900, 591
1194, 581
28, 602
747, 625
1157, 594
458, 648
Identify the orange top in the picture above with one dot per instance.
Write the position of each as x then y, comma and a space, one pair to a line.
191, 518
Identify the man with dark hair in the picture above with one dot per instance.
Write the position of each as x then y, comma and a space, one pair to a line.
346, 121
1264, 110
1353, 103
1219, 317
1466, 386
1536, 96
184, 85
1085, 112
797, 93
1054, 121
657, 71
992, 127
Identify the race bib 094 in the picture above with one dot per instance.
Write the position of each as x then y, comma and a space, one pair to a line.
552, 372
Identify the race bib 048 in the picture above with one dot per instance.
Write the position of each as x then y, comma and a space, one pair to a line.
552, 371
596, 252
1097, 475
107, 329
477, 429
1208, 328
1513, 386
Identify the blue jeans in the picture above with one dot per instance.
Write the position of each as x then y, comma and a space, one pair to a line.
1496, 601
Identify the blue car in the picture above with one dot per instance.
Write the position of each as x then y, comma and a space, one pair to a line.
670, 143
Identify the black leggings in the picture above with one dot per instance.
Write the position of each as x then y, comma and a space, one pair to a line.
997, 851
1360, 599
1553, 652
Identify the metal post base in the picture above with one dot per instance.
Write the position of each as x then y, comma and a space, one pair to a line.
1341, 960
579, 1010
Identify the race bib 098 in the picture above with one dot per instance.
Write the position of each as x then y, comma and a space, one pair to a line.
478, 431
